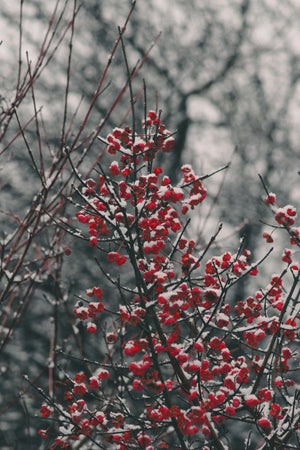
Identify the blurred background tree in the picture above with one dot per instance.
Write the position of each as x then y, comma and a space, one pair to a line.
226, 77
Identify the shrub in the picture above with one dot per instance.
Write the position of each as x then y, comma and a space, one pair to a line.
184, 360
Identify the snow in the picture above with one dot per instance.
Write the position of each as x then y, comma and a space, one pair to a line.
49, 181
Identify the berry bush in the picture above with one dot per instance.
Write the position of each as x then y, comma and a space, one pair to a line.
186, 363
172, 355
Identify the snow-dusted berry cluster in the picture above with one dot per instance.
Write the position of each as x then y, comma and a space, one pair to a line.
183, 357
